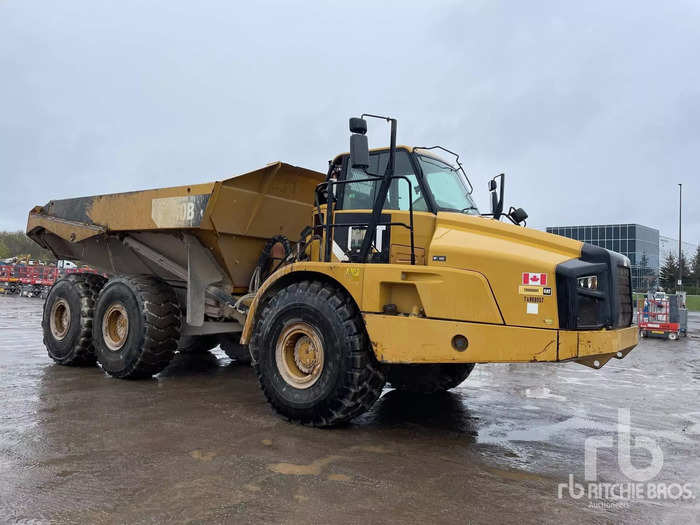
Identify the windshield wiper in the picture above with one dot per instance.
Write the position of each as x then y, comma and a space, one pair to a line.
469, 208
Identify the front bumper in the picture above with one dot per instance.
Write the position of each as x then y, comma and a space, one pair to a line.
594, 348
400, 339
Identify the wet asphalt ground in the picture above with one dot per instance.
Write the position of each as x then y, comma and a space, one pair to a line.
199, 443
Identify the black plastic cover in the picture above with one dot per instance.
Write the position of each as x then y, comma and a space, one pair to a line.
610, 306
358, 125
359, 151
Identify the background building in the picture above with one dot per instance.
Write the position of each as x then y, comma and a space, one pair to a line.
639, 243
668, 245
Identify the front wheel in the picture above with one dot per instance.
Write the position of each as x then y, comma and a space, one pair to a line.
312, 355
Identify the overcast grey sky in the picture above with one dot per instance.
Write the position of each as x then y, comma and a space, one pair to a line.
591, 108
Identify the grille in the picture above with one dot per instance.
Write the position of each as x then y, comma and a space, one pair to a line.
588, 312
623, 296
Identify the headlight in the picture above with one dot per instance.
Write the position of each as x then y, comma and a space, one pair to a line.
590, 282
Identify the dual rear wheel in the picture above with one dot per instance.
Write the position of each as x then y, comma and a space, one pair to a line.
137, 326
67, 321
130, 325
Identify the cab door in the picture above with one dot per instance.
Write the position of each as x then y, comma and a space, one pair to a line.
393, 236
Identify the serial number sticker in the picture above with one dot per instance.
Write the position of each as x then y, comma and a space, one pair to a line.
530, 290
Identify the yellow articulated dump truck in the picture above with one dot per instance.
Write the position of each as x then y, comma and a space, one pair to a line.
381, 271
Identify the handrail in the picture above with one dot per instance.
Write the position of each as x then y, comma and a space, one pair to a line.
328, 226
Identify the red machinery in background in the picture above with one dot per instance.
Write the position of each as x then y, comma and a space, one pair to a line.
9, 282
36, 279
33, 280
662, 315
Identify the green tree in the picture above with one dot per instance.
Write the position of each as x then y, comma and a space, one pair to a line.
4, 252
647, 276
687, 273
17, 243
694, 279
668, 274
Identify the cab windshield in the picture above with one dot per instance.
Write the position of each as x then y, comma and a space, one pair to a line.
447, 185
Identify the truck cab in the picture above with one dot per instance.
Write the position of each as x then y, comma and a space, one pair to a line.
424, 185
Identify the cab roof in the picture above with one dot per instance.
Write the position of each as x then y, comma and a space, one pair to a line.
338, 158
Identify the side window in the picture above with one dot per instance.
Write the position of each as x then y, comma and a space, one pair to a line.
404, 194
360, 196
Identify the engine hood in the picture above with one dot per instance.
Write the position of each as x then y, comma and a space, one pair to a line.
519, 263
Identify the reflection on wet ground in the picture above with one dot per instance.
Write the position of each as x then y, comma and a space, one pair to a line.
200, 443
444, 411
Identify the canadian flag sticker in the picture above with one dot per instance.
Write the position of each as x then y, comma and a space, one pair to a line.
535, 279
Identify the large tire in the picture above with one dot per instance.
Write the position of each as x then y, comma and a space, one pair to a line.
67, 319
312, 355
137, 326
428, 378
197, 344
230, 344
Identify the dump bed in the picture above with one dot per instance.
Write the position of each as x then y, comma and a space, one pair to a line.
232, 219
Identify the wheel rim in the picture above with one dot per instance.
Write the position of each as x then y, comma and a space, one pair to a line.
60, 319
115, 326
299, 355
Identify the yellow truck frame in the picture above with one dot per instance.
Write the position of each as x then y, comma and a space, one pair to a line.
395, 278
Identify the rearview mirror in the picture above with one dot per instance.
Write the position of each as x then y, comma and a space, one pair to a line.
359, 147
497, 199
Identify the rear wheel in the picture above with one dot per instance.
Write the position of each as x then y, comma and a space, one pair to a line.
67, 319
137, 326
673, 336
312, 355
427, 378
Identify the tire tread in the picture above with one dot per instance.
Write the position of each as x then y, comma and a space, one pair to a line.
162, 320
364, 379
88, 286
